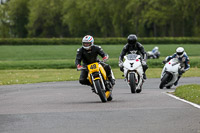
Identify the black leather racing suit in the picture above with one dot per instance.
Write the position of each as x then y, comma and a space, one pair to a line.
138, 48
88, 57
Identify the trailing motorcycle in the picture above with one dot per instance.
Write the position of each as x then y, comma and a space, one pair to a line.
133, 72
170, 73
99, 81
153, 54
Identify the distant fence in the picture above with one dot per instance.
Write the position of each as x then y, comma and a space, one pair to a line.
113, 40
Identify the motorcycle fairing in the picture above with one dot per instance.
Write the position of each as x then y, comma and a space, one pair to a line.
96, 68
171, 67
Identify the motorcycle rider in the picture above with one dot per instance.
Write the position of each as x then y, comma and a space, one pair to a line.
88, 54
155, 52
184, 60
133, 45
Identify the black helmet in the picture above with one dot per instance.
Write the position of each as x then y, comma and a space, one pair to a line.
132, 39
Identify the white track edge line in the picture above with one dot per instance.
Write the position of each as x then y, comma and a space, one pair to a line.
193, 104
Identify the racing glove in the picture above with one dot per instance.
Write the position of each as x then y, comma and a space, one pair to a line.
181, 71
164, 62
79, 67
105, 58
120, 63
144, 62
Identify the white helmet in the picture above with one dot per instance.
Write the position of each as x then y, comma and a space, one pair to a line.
156, 48
180, 51
87, 42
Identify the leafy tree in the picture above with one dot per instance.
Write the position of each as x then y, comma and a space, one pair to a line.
45, 18
4, 21
102, 18
18, 15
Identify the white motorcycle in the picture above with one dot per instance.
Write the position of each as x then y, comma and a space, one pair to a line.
151, 55
133, 72
170, 73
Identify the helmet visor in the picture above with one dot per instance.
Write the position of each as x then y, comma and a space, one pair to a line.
179, 53
86, 44
131, 41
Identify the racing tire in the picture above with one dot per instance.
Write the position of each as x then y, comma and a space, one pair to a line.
132, 82
138, 91
164, 80
100, 91
169, 87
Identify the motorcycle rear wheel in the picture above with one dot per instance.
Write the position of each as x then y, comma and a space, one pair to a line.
164, 80
101, 91
132, 82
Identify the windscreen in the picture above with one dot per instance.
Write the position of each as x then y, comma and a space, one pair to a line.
131, 56
175, 60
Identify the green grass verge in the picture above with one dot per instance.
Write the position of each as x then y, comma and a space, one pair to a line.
49, 75
49, 52
70, 63
189, 92
36, 75
63, 56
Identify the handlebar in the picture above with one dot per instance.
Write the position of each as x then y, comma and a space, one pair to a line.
85, 68
82, 68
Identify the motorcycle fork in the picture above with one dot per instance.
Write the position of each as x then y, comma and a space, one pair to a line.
95, 88
101, 79
107, 93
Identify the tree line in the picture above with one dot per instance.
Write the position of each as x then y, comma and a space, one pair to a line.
100, 18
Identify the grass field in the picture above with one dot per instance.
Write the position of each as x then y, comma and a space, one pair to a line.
33, 63
49, 52
63, 56
48, 75
189, 92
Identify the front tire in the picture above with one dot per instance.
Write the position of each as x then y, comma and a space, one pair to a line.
132, 82
101, 91
164, 80
169, 87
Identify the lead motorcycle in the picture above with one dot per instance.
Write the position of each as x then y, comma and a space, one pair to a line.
170, 73
133, 72
99, 80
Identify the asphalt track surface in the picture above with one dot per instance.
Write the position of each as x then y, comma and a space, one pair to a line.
68, 107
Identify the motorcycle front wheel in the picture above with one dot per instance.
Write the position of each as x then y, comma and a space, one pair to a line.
101, 91
132, 82
164, 80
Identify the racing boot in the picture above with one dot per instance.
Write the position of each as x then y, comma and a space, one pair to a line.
176, 83
112, 81
144, 76
122, 69
111, 78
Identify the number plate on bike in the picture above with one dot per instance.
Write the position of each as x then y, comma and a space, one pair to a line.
93, 67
